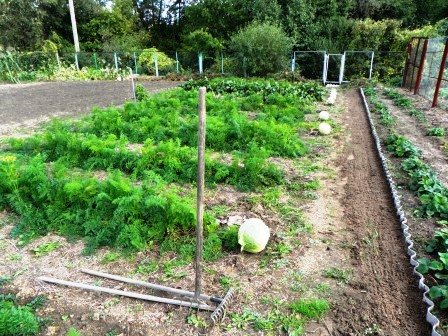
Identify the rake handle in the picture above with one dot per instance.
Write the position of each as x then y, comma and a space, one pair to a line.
150, 285
126, 293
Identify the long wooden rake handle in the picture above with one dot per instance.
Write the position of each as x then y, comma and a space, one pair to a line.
127, 294
150, 285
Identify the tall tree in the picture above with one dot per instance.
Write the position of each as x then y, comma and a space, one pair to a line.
20, 24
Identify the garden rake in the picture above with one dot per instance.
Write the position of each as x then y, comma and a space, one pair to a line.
197, 300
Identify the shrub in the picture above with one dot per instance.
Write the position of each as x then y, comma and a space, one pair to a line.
261, 48
146, 61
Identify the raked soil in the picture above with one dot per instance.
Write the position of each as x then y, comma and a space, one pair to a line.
27, 105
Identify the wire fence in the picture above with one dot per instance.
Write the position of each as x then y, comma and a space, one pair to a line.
317, 65
426, 71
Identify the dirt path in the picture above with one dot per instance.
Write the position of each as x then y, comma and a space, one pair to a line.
384, 295
26, 105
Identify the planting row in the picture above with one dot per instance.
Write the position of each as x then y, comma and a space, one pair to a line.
430, 192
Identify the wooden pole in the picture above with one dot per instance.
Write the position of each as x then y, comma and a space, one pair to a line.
439, 79
420, 67
406, 66
200, 192
413, 65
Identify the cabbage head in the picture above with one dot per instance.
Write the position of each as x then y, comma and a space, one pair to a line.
253, 235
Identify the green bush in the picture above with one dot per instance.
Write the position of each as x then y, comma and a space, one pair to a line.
147, 58
17, 320
261, 48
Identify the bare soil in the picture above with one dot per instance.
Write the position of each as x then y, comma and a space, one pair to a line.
28, 105
355, 229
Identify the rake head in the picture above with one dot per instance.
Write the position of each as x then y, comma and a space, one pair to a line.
220, 312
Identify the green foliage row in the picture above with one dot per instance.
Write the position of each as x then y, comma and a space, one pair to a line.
16, 319
423, 181
308, 91
115, 211
398, 98
386, 118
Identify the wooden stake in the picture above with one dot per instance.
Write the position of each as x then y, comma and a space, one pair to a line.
200, 192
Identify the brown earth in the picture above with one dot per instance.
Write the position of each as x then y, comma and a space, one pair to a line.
27, 105
354, 229
386, 292
383, 297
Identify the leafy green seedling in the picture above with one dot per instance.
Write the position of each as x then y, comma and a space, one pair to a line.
45, 248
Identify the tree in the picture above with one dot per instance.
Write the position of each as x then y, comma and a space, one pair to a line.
201, 41
20, 24
267, 10
262, 48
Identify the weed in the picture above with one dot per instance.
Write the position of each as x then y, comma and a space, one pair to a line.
436, 131
373, 330
113, 332
228, 281
73, 332
110, 257
241, 321
220, 210
110, 303
342, 275
322, 288
15, 257
196, 321
310, 308
45, 248
419, 114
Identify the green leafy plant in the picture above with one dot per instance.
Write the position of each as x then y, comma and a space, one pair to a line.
310, 308
45, 248
436, 131
342, 275
401, 146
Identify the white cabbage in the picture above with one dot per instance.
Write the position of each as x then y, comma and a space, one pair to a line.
253, 235
324, 115
324, 128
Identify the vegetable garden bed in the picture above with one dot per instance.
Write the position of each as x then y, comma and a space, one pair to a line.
124, 178
416, 144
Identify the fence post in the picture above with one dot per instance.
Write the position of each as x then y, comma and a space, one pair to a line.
341, 71
58, 60
155, 64
406, 65
94, 60
371, 65
116, 61
420, 68
135, 63
439, 79
293, 61
413, 65
222, 63
244, 67
325, 68
200, 62
76, 61
177, 62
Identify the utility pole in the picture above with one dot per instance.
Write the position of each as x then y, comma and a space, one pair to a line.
75, 31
